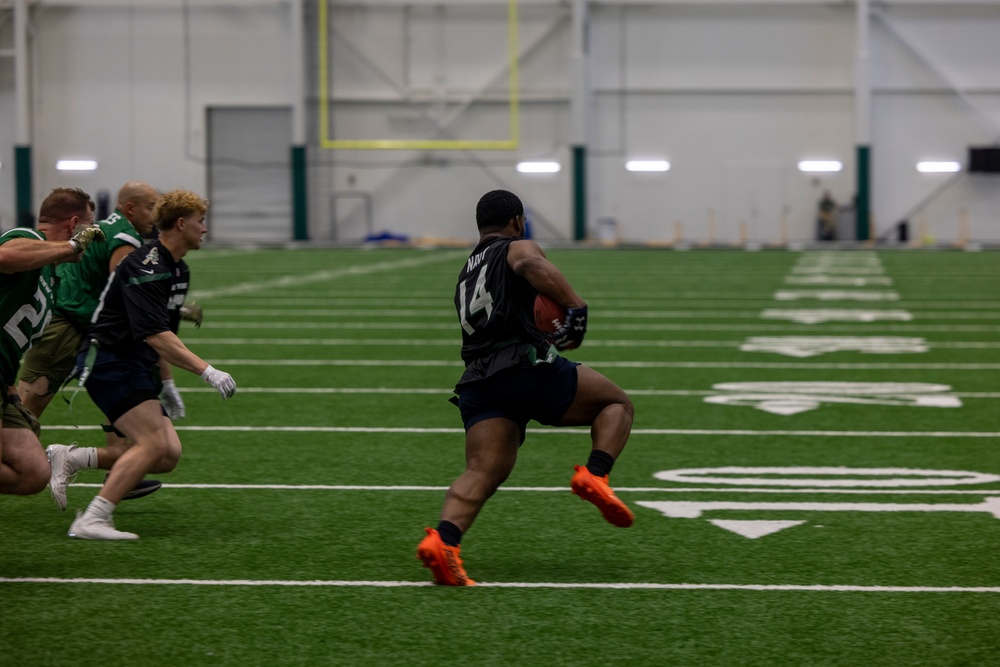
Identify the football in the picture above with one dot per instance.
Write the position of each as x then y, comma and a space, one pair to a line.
549, 315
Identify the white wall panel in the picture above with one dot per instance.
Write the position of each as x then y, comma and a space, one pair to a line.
8, 134
733, 94
708, 140
725, 47
113, 85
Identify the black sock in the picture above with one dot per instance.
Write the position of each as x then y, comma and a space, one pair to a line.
600, 463
450, 534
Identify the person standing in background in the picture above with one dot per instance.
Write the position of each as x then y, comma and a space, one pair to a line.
826, 218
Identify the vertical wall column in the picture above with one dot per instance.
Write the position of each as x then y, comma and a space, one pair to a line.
863, 122
580, 103
22, 93
300, 184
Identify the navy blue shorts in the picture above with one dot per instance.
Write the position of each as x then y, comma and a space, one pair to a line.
543, 393
118, 384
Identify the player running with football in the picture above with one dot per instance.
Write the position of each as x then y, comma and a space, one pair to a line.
135, 325
513, 374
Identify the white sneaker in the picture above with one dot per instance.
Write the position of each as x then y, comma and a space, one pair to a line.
63, 472
92, 528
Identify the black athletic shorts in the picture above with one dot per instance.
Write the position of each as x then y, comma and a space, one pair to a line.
542, 392
118, 384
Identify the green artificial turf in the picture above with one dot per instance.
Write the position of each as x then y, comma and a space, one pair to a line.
286, 535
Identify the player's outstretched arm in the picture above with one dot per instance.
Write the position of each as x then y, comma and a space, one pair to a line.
21, 254
173, 351
25, 254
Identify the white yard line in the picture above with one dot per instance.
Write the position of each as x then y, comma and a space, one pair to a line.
835, 588
565, 489
560, 431
638, 313
620, 364
293, 280
825, 328
379, 301
869, 327
457, 341
447, 391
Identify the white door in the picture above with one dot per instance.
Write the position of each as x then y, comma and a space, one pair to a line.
249, 173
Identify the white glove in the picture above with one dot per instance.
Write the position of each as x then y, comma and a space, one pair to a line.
172, 401
224, 382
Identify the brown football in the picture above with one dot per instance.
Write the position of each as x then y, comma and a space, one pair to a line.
549, 315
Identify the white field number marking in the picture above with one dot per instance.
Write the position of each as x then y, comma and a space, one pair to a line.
838, 281
826, 477
789, 398
835, 295
822, 477
812, 346
819, 316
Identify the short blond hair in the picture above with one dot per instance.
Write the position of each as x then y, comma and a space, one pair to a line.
177, 204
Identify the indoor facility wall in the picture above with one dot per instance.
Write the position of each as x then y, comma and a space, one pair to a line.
732, 94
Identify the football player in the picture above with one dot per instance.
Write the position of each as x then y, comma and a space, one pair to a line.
26, 295
135, 325
52, 357
514, 373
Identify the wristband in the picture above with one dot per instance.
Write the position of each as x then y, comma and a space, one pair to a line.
77, 247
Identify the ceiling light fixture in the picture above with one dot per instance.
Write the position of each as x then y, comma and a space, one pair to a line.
76, 165
538, 167
647, 165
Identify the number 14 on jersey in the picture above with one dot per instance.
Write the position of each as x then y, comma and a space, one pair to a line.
479, 300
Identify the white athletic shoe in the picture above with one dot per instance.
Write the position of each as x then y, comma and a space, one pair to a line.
63, 472
92, 528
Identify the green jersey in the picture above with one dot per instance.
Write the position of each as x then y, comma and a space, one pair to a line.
25, 308
81, 283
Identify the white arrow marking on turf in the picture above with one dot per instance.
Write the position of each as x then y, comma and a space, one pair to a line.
693, 510
754, 529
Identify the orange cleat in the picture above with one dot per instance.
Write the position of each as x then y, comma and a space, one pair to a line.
595, 489
444, 562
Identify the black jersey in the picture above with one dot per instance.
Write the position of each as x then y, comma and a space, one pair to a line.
142, 298
495, 307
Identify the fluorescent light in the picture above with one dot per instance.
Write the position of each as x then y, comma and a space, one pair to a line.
938, 167
647, 165
820, 165
538, 167
76, 165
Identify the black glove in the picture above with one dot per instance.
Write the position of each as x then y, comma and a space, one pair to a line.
570, 335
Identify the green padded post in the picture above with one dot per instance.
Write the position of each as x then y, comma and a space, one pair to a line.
579, 193
300, 199
863, 206
22, 185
